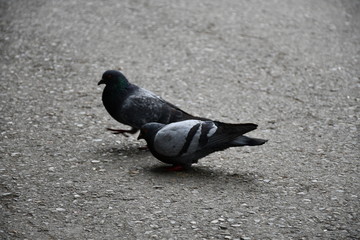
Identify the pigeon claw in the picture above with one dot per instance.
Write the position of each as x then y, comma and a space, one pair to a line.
176, 168
119, 131
143, 148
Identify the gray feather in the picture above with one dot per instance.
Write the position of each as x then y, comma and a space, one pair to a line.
184, 142
135, 106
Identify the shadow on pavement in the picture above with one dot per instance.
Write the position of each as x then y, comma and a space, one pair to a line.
147, 166
205, 173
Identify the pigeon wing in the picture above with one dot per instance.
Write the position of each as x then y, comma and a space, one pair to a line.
225, 133
139, 109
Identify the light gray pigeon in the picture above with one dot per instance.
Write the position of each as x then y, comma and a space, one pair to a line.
183, 143
135, 106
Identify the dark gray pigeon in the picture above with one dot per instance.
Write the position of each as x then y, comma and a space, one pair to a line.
183, 143
135, 106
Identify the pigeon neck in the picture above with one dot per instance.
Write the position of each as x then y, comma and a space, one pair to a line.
121, 85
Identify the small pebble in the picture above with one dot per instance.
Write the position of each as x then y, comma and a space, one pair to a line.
223, 227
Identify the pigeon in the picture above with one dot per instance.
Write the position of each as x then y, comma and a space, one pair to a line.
185, 142
135, 106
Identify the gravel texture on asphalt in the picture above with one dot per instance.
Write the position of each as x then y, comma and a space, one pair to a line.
290, 66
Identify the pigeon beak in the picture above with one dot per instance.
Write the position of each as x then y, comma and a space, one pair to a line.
101, 82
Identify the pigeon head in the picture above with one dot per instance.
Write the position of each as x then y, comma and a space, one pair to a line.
114, 78
149, 130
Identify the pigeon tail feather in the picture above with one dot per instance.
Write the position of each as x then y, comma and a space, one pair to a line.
236, 128
247, 141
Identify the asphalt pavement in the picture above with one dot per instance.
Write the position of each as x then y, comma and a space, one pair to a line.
292, 67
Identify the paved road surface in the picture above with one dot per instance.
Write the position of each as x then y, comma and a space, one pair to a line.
290, 66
